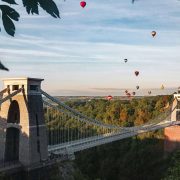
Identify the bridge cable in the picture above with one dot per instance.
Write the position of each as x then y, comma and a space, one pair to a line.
10, 96
82, 116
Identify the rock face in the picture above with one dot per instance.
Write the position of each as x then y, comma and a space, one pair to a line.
66, 171
60, 171
172, 138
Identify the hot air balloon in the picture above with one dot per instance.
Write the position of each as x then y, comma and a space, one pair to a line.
125, 60
153, 33
126, 91
109, 97
137, 87
128, 95
82, 4
133, 1
2, 67
134, 93
162, 87
136, 73
149, 92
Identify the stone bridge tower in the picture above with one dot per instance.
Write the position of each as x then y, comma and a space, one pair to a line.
22, 124
172, 134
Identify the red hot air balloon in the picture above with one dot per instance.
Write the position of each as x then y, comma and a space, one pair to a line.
136, 73
128, 94
109, 97
153, 33
83, 4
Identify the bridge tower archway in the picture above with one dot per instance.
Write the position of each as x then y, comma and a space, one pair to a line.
12, 133
14, 113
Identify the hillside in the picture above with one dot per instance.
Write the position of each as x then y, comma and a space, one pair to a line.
140, 157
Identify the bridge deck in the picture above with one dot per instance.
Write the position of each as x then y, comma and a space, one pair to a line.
75, 146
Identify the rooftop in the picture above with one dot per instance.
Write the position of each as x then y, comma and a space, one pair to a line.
23, 78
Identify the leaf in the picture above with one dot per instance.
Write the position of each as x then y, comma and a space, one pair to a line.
2, 67
8, 25
12, 13
10, 1
9, 14
50, 7
31, 6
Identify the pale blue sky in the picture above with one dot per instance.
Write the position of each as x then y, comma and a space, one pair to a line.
82, 53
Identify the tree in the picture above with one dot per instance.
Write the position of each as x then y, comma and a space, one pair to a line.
9, 14
173, 172
124, 115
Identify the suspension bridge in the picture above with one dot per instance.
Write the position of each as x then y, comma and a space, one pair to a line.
37, 129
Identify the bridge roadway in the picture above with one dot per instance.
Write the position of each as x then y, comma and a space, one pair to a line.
86, 143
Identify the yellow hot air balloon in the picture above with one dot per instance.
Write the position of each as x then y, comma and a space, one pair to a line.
162, 87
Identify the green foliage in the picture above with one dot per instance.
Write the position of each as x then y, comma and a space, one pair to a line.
124, 113
173, 172
9, 14
133, 158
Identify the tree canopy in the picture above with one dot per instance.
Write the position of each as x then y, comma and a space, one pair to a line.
10, 14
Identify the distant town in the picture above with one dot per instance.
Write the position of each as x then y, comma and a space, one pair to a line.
89, 98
